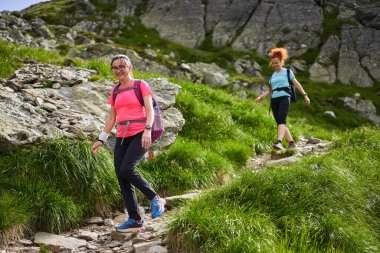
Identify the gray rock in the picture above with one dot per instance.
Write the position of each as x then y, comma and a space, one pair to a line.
369, 14
320, 73
157, 249
246, 67
95, 220
350, 70
210, 74
76, 110
88, 236
224, 18
109, 223
58, 241
165, 17
364, 108
271, 23
145, 246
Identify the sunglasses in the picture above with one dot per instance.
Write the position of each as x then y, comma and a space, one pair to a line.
120, 67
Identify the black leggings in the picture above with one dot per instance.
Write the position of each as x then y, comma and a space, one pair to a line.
126, 158
280, 108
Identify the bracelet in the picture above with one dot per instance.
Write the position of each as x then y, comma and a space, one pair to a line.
101, 141
103, 137
305, 94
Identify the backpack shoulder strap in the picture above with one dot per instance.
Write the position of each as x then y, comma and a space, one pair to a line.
115, 92
138, 93
288, 74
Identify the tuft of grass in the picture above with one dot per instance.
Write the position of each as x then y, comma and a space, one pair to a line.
12, 57
186, 165
322, 204
59, 183
15, 217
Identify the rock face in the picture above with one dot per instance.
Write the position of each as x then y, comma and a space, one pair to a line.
33, 111
224, 18
178, 21
349, 55
246, 24
277, 21
324, 70
358, 52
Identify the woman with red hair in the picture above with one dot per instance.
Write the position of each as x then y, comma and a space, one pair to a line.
280, 95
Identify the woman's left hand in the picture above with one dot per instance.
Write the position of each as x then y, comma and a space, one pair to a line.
146, 139
306, 99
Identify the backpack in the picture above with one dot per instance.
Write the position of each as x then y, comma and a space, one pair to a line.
158, 124
290, 89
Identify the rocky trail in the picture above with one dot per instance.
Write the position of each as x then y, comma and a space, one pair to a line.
307, 145
99, 236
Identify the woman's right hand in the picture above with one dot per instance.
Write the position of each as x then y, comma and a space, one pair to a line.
258, 100
95, 147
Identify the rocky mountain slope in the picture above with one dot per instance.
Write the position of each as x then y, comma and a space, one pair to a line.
344, 34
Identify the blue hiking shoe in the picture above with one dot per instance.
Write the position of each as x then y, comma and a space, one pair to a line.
157, 205
130, 223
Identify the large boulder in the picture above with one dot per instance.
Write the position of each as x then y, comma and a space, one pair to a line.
33, 111
206, 73
365, 108
324, 70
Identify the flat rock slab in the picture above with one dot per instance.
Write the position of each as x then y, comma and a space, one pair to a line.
124, 236
58, 240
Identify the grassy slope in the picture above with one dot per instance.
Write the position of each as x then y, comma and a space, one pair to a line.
322, 204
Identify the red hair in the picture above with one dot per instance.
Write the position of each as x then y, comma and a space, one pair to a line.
280, 53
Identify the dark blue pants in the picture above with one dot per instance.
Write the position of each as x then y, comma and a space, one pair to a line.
126, 158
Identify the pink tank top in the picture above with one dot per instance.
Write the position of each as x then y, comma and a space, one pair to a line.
128, 107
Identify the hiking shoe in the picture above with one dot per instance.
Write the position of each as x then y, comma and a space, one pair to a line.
157, 205
292, 146
278, 146
130, 223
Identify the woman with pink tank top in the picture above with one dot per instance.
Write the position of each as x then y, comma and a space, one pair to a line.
132, 140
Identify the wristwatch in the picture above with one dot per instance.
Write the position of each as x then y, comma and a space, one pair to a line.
148, 127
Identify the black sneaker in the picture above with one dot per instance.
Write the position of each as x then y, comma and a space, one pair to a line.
292, 145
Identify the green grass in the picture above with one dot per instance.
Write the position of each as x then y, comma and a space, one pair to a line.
216, 119
52, 11
325, 97
12, 57
185, 166
54, 186
322, 204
